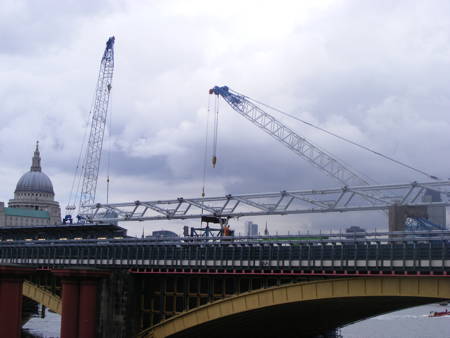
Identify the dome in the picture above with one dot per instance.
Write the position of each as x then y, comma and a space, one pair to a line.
35, 181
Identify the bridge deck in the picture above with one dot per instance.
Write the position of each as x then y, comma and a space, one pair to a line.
407, 254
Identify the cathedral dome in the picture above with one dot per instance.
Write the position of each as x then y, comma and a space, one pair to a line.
35, 180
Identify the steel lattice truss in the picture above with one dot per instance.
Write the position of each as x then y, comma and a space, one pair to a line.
279, 203
289, 138
99, 112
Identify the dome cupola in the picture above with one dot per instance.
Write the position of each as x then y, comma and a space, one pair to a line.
35, 180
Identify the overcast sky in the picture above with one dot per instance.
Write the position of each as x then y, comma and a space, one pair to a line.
375, 72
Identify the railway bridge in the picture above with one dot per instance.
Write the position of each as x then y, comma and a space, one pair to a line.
298, 286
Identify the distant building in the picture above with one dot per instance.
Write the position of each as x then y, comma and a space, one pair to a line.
163, 233
266, 230
436, 214
355, 230
251, 229
34, 199
422, 217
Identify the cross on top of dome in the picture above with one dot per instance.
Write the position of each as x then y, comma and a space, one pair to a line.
36, 161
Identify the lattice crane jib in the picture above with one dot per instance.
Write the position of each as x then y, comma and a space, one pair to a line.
99, 111
283, 134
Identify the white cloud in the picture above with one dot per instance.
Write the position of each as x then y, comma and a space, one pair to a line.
376, 73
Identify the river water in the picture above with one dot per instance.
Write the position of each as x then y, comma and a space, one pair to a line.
410, 323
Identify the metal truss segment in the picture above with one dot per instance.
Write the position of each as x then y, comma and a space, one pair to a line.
252, 203
201, 205
361, 198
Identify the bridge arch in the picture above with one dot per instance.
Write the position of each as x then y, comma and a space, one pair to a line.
304, 308
42, 296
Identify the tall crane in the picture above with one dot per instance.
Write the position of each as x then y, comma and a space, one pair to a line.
320, 159
280, 132
356, 195
91, 162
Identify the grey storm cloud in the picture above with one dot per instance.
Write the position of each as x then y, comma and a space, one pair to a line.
34, 27
375, 72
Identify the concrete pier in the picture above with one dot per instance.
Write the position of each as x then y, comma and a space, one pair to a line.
11, 279
79, 302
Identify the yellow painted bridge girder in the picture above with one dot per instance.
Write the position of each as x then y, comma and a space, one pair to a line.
408, 286
42, 296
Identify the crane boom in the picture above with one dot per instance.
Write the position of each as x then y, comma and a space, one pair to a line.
299, 145
99, 112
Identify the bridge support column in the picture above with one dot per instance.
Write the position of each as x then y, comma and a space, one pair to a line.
70, 308
79, 302
87, 309
11, 280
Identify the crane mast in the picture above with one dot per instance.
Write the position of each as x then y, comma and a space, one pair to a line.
299, 145
91, 163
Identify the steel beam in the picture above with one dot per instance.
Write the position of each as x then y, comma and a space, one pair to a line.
360, 198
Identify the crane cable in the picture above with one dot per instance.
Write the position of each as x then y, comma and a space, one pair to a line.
216, 131
77, 177
344, 139
205, 154
109, 147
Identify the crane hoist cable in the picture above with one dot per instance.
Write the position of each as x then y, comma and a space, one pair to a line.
109, 150
215, 131
344, 139
205, 154
77, 176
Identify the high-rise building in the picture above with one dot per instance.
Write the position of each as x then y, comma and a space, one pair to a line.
266, 230
251, 229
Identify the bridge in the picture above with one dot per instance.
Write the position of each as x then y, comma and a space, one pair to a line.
122, 287
329, 253
107, 285
302, 309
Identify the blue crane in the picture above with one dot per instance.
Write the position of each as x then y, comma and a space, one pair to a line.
298, 144
99, 111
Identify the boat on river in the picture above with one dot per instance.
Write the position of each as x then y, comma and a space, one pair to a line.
439, 313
